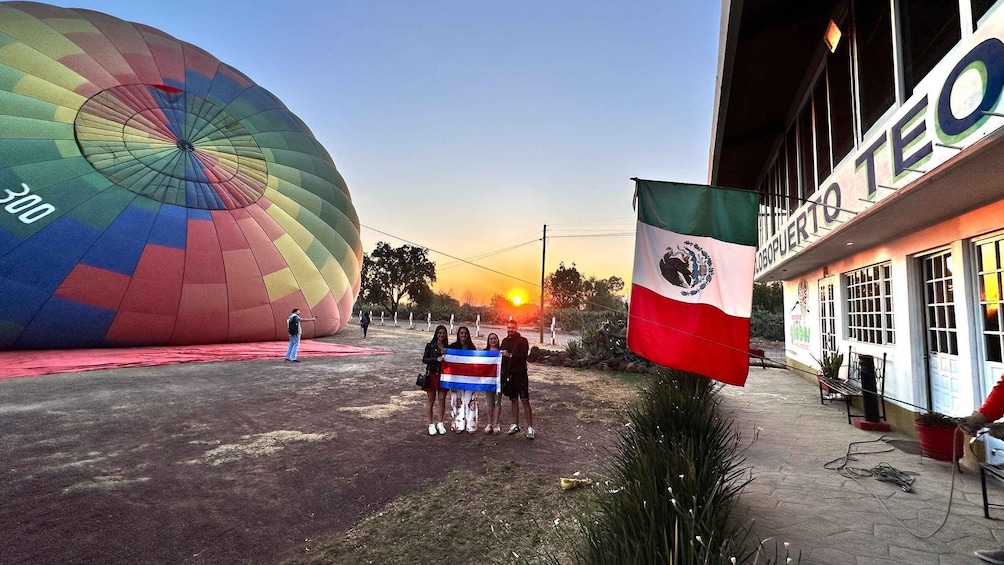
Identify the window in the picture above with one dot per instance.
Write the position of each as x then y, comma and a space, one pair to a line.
822, 129
876, 80
930, 28
827, 318
838, 78
792, 169
939, 301
980, 9
806, 152
869, 304
989, 269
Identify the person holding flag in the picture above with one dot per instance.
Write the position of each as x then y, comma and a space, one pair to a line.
464, 406
433, 356
493, 397
515, 349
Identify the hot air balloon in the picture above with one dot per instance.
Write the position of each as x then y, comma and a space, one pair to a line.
152, 195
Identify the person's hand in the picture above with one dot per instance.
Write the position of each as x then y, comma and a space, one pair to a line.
440, 358
973, 423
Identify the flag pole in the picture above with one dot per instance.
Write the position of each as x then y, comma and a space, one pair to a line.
543, 257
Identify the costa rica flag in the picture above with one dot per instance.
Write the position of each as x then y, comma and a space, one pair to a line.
470, 369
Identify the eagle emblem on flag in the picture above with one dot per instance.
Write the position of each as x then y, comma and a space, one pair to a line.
689, 267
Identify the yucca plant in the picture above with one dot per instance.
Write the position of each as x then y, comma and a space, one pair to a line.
829, 365
676, 476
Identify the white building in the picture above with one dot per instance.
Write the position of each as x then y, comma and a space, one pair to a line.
873, 130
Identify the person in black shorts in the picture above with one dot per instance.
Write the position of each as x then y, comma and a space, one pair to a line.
515, 349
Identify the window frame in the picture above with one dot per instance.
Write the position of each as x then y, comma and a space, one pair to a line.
868, 301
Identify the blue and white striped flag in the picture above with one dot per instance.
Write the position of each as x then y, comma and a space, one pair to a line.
469, 369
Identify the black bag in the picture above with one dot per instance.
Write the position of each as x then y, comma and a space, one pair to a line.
294, 325
420, 380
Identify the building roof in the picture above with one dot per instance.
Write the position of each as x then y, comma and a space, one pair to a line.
765, 50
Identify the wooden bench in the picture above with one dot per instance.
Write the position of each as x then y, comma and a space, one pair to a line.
758, 355
831, 389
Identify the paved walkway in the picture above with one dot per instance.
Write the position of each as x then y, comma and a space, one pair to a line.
834, 520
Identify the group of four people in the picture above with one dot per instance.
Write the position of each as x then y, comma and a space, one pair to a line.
464, 404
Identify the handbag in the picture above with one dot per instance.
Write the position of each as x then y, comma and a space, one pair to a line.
420, 380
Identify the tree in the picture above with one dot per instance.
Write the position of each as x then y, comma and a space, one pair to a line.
468, 298
389, 273
602, 294
566, 287
768, 297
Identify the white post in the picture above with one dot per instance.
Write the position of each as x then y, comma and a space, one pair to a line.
451, 324
477, 327
411, 320
510, 317
428, 318
381, 318
552, 331
395, 319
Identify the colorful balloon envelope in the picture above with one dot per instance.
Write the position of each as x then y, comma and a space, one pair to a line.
150, 194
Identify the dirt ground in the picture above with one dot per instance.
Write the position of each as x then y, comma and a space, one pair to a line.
267, 461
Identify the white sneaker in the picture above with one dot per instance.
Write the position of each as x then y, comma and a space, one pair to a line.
498, 429
993, 556
513, 429
529, 432
432, 429
441, 428
460, 429
488, 429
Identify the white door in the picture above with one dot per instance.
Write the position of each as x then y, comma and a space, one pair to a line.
949, 394
989, 267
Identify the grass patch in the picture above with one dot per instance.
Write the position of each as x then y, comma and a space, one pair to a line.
506, 514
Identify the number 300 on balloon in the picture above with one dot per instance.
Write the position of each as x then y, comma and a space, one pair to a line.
29, 208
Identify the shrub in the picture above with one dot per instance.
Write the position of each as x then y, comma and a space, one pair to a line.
768, 325
675, 479
572, 320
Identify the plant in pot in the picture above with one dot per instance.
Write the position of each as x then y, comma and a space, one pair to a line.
829, 365
829, 368
939, 436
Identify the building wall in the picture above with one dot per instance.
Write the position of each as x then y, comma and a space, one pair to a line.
915, 146
906, 373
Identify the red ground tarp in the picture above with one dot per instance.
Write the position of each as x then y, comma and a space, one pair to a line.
46, 362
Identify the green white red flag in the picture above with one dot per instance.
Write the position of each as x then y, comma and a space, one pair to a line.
692, 287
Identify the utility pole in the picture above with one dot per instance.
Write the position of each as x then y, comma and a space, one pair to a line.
543, 257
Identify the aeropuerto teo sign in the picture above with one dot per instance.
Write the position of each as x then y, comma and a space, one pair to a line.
954, 108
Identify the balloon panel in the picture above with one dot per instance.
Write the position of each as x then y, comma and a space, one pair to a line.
150, 194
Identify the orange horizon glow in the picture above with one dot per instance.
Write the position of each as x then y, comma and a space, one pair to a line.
519, 272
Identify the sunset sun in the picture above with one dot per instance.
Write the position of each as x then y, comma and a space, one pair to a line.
517, 297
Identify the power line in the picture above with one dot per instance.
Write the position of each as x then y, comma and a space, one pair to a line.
598, 222
597, 235
451, 256
487, 254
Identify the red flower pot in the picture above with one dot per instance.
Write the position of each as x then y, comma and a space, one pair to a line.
936, 441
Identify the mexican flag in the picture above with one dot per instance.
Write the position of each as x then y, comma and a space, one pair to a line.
692, 287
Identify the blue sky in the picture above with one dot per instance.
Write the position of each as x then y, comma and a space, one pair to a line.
464, 126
